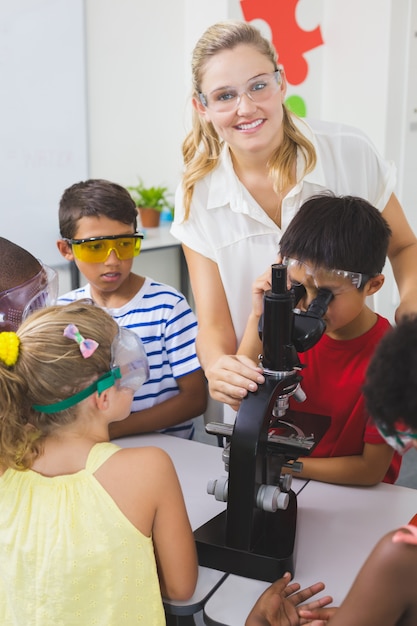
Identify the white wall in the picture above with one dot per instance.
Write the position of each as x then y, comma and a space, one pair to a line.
43, 130
135, 56
138, 81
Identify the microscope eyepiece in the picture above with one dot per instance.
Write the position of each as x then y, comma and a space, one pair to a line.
284, 330
318, 306
309, 325
279, 279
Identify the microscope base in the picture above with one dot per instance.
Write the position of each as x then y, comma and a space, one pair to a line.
268, 560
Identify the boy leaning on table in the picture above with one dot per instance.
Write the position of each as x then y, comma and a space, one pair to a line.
98, 226
340, 244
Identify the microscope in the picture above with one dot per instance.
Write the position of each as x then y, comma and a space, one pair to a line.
255, 536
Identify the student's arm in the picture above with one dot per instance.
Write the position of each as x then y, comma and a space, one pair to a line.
190, 402
145, 487
384, 591
172, 537
366, 469
402, 253
229, 376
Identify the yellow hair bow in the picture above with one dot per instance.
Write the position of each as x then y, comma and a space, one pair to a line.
9, 348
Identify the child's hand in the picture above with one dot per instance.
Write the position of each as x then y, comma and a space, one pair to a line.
262, 283
311, 615
277, 605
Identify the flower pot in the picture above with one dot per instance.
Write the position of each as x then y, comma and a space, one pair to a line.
149, 217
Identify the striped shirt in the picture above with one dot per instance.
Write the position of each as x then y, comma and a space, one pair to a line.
167, 326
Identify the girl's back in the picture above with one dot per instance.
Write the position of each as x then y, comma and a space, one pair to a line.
73, 557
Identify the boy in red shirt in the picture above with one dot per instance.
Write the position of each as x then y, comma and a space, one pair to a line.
326, 234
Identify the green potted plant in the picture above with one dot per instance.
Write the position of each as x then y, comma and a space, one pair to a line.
151, 201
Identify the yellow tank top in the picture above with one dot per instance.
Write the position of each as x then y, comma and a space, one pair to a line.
69, 557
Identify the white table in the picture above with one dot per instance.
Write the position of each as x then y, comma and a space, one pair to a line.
336, 530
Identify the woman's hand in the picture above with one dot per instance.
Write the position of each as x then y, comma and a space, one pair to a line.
231, 377
277, 605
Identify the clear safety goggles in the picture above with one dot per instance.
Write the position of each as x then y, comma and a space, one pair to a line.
129, 370
129, 358
336, 281
258, 89
97, 249
36, 293
400, 440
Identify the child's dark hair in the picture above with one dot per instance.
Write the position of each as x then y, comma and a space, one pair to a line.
48, 368
338, 232
95, 198
390, 382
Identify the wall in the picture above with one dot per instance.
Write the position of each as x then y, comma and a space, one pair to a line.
135, 59
43, 135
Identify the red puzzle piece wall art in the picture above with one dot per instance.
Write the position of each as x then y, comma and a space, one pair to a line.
290, 41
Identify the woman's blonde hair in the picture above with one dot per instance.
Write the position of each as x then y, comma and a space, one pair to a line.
49, 368
202, 146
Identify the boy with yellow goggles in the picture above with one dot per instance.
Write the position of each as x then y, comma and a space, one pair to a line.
97, 217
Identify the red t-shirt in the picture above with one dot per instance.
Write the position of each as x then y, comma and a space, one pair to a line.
332, 380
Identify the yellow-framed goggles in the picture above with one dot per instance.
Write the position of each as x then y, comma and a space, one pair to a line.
97, 249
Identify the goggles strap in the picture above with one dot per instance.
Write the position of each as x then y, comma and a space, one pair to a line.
104, 382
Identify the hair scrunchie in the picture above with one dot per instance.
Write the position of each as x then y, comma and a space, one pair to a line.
9, 348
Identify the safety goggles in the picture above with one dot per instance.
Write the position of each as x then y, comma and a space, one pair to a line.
258, 89
129, 370
97, 249
400, 440
129, 357
36, 293
336, 281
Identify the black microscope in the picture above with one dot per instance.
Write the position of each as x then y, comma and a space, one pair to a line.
254, 537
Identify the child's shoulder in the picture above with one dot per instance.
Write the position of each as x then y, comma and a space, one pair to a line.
81, 293
146, 457
381, 327
157, 290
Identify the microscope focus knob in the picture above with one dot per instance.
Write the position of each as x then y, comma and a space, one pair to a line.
218, 488
226, 456
285, 482
270, 498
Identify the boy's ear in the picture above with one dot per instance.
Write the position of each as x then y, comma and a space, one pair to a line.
65, 249
374, 284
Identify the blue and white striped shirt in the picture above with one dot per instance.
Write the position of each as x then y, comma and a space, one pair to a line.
167, 326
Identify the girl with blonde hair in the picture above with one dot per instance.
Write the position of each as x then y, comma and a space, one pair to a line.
89, 532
